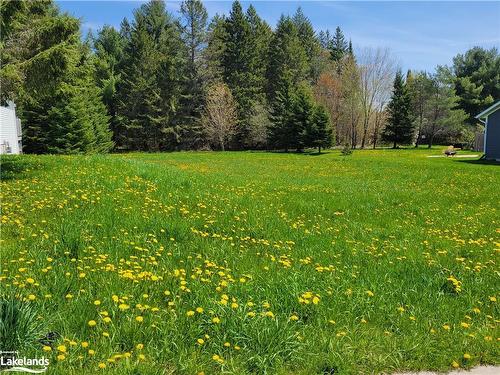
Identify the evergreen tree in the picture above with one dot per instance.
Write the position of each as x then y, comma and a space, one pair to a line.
287, 58
149, 92
279, 136
215, 49
49, 72
109, 48
301, 126
476, 76
310, 43
339, 46
320, 133
400, 127
194, 35
239, 63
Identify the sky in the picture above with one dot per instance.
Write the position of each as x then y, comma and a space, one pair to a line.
419, 34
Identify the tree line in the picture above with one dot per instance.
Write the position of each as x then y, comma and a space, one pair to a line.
181, 82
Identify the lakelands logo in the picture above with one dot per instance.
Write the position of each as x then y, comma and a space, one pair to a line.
10, 362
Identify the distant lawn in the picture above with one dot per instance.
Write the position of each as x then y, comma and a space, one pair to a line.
254, 262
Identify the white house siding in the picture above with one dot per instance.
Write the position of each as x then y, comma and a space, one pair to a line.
10, 131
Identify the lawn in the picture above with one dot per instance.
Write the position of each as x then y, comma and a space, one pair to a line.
263, 263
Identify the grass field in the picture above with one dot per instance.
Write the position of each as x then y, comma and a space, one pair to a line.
242, 263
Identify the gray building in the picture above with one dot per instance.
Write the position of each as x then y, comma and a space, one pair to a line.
491, 119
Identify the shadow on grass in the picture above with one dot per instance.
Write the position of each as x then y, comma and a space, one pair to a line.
14, 166
479, 161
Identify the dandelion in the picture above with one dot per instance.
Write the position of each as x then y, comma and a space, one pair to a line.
465, 325
142, 357
101, 365
294, 317
139, 346
200, 341
190, 313
62, 348
139, 319
455, 364
251, 314
493, 299
47, 348
401, 309
369, 293
227, 344
199, 310
29, 280
107, 319
97, 302
84, 344
92, 323
215, 320
467, 356
123, 306
91, 352
31, 297
446, 327
61, 357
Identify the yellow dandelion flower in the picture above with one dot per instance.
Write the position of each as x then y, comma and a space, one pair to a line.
101, 365
139, 319
92, 323
190, 313
47, 348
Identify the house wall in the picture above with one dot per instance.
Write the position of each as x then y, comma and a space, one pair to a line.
10, 131
492, 136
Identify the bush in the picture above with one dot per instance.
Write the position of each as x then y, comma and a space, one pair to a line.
347, 150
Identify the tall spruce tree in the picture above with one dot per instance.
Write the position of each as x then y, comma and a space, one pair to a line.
320, 133
215, 49
239, 63
109, 48
194, 35
339, 46
400, 126
287, 68
310, 42
149, 91
48, 72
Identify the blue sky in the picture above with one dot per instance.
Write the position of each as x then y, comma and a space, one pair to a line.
420, 34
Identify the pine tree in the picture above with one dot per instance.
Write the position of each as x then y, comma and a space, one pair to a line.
57, 98
301, 127
239, 63
339, 46
400, 127
281, 109
215, 49
108, 46
287, 58
194, 35
320, 133
310, 43
149, 92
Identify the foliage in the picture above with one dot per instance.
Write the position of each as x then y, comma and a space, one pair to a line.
400, 127
20, 325
476, 76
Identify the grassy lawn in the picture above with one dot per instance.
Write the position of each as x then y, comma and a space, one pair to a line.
256, 262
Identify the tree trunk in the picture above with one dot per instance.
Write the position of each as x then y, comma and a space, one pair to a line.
395, 145
319, 149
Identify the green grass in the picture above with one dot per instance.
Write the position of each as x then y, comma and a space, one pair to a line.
373, 237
